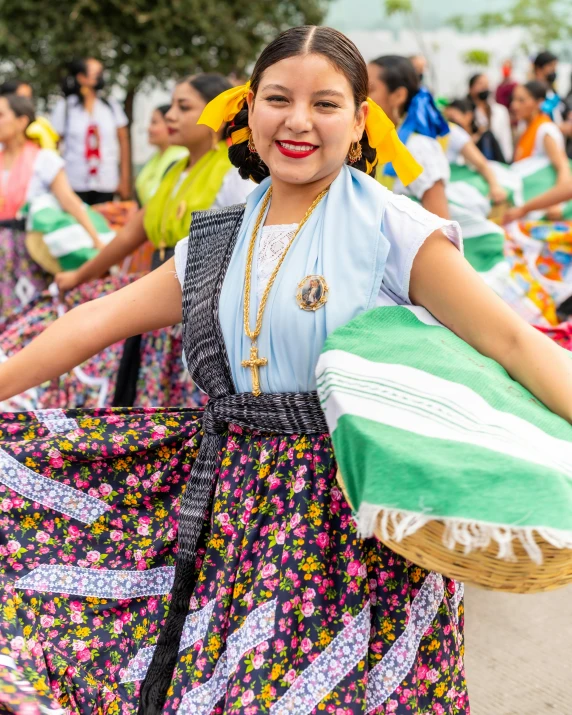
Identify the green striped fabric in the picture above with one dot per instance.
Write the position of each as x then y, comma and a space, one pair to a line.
467, 194
424, 427
66, 240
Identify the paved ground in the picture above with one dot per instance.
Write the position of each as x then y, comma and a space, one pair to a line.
519, 653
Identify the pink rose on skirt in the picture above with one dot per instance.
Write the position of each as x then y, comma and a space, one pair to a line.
268, 570
354, 567
247, 697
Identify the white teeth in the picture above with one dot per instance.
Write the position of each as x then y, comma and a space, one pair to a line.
297, 147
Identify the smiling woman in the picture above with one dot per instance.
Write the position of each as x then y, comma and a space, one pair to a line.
277, 605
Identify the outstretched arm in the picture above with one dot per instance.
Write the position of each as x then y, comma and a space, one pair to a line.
474, 156
443, 282
147, 304
556, 195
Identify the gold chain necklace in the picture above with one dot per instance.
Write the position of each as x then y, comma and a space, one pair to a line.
256, 362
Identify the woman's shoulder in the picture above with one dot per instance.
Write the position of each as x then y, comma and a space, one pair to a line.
234, 189
48, 160
550, 129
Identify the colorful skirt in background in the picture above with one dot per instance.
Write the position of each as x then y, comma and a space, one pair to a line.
21, 278
292, 612
543, 250
162, 376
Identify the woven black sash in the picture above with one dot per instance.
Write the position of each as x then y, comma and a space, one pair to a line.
213, 235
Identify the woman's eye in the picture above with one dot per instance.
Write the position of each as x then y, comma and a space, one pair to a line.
276, 98
327, 105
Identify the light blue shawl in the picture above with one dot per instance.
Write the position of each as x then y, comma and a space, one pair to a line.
341, 241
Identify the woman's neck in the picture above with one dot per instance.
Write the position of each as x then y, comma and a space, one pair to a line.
89, 96
162, 148
533, 117
12, 147
290, 202
197, 151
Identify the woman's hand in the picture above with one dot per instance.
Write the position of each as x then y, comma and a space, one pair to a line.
498, 194
68, 280
513, 214
443, 282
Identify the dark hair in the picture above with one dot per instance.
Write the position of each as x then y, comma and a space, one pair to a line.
163, 109
399, 72
208, 84
543, 59
307, 39
536, 89
473, 79
21, 106
70, 84
463, 105
11, 86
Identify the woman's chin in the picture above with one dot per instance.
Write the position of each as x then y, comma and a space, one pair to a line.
297, 171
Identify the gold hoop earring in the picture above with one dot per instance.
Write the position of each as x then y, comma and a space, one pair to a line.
251, 147
355, 152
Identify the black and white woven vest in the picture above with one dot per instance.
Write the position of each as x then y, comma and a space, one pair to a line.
211, 243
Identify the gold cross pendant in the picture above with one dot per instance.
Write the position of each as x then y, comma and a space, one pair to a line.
254, 364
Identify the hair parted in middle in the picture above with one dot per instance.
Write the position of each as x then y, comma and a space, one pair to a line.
305, 40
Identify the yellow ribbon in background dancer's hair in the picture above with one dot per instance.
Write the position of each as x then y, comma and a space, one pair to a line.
380, 130
42, 132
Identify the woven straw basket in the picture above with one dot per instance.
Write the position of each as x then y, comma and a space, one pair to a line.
427, 549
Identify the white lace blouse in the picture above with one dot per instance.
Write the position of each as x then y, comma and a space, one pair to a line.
407, 224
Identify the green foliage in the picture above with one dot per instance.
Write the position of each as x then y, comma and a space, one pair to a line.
142, 40
545, 21
393, 7
481, 58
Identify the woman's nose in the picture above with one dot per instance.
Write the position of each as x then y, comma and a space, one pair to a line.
299, 118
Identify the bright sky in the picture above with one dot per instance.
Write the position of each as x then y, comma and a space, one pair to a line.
347, 15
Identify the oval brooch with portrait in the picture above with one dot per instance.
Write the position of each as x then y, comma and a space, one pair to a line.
312, 293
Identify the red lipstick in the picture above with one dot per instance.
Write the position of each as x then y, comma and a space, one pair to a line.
288, 149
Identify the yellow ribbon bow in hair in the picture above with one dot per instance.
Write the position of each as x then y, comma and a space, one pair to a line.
380, 131
225, 107
382, 136
42, 132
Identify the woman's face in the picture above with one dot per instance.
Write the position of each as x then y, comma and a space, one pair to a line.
481, 84
181, 119
303, 119
158, 132
523, 104
392, 103
10, 125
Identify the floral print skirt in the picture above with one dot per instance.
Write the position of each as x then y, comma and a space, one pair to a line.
22, 278
291, 613
163, 379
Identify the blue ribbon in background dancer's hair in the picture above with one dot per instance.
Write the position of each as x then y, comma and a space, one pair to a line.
550, 104
423, 118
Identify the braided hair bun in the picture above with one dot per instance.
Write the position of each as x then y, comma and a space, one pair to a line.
337, 49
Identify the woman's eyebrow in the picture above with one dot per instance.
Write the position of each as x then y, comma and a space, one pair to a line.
329, 93
278, 87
